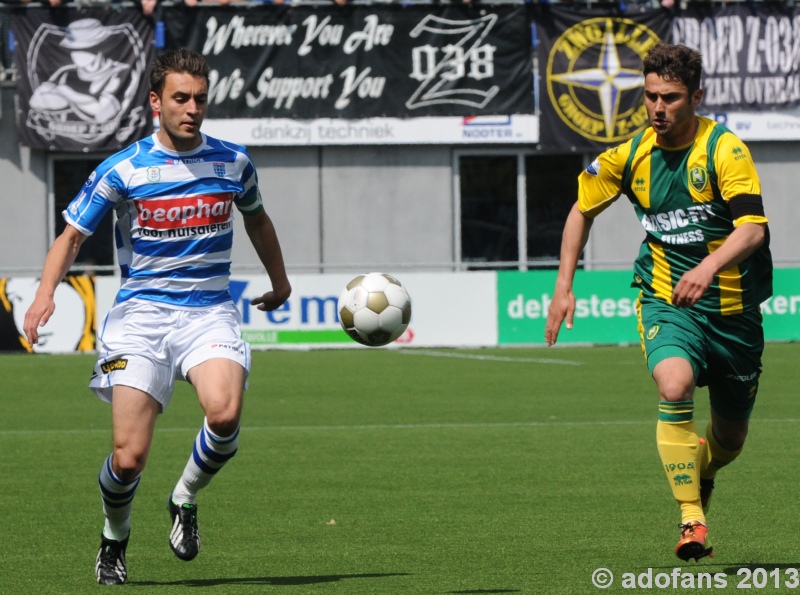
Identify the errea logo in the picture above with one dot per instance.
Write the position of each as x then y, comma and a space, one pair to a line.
738, 153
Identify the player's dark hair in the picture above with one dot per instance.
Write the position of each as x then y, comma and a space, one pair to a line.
676, 63
180, 61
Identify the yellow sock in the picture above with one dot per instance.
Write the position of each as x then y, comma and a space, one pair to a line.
715, 456
679, 449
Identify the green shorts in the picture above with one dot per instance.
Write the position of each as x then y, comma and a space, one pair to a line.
724, 351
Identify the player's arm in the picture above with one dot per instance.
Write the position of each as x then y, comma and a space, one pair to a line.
743, 241
739, 184
59, 260
598, 187
573, 240
264, 238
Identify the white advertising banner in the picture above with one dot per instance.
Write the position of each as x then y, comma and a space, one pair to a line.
447, 309
761, 126
377, 131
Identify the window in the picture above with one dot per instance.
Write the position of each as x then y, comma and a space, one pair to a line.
512, 208
489, 217
98, 249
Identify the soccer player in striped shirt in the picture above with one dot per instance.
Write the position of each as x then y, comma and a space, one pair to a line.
703, 270
175, 194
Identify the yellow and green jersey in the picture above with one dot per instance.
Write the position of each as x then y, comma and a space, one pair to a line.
681, 197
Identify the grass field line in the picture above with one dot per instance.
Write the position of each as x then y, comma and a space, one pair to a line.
419, 426
492, 358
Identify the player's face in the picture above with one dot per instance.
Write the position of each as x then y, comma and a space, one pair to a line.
670, 108
181, 107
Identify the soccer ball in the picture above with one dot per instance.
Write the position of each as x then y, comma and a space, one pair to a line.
374, 309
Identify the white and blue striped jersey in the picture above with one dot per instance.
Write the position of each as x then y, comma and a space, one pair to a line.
174, 229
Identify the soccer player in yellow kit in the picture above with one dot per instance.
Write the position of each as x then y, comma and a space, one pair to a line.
703, 270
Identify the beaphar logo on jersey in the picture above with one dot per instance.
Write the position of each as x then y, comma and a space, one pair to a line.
188, 211
698, 178
594, 78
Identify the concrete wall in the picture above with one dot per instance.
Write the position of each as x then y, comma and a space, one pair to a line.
23, 194
347, 209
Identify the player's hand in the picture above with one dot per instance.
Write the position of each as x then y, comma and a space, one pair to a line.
692, 285
37, 316
562, 307
272, 300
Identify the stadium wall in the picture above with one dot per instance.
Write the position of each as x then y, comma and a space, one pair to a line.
477, 309
347, 208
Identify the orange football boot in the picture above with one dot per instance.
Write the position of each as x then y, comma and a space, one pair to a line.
694, 542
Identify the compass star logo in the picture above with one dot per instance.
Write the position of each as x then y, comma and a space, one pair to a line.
594, 78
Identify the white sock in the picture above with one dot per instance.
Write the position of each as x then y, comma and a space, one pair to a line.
117, 498
209, 455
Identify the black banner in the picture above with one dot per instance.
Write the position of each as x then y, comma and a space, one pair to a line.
82, 78
360, 61
751, 54
590, 65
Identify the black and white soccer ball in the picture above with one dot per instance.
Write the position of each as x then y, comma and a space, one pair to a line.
374, 309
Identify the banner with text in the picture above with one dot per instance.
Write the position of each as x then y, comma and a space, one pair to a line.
310, 317
591, 67
361, 61
605, 310
82, 78
751, 59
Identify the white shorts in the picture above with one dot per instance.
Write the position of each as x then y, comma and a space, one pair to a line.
147, 346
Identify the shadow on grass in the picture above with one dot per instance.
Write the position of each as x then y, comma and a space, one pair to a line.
756, 565
262, 580
708, 566
485, 591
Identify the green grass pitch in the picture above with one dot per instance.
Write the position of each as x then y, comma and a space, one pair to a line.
398, 471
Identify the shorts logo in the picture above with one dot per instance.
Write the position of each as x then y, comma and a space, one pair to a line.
228, 347
698, 178
651, 334
114, 364
153, 174
594, 78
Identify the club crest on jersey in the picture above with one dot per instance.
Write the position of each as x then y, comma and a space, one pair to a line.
153, 174
219, 169
698, 178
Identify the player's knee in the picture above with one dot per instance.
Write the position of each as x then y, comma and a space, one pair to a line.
127, 465
675, 390
223, 423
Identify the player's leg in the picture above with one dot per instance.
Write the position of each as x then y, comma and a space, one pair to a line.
220, 385
673, 344
132, 373
735, 348
723, 444
134, 414
676, 433
216, 362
